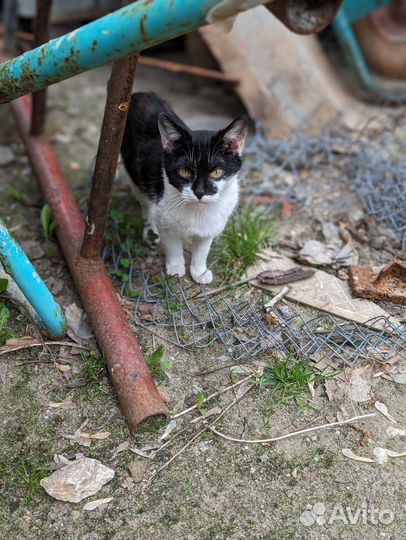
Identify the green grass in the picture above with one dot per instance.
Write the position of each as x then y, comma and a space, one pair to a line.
247, 232
4, 320
47, 223
94, 367
157, 363
288, 380
27, 478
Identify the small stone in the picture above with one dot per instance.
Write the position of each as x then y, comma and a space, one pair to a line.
75, 482
137, 470
264, 458
203, 446
253, 470
339, 480
7, 156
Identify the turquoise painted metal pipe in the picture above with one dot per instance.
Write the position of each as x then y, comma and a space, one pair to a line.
133, 28
17, 265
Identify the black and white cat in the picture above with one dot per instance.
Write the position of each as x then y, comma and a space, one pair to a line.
186, 181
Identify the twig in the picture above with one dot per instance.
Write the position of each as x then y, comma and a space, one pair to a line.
196, 436
288, 435
42, 344
200, 294
272, 303
195, 406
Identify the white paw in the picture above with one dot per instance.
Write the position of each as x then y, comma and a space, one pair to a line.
175, 269
202, 275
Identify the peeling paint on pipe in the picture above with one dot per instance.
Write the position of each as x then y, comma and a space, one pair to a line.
131, 29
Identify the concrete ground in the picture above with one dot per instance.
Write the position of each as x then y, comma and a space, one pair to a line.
299, 488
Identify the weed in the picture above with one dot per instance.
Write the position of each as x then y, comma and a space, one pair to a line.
16, 194
4, 319
288, 381
28, 477
48, 225
3, 285
156, 362
247, 232
94, 367
200, 402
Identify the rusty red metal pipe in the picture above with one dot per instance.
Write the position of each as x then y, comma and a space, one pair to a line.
112, 130
136, 390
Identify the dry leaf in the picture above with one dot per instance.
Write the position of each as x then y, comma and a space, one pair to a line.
347, 452
166, 398
395, 432
330, 386
65, 368
99, 436
90, 506
137, 470
383, 409
342, 414
141, 453
120, 448
17, 342
169, 428
360, 384
380, 455
78, 327
63, 405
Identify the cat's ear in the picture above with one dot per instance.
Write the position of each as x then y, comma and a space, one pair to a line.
170, 132
234, 135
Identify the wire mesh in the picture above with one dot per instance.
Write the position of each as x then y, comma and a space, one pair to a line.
374, 170
191, 319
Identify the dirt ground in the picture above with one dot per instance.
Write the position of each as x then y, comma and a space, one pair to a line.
215, 489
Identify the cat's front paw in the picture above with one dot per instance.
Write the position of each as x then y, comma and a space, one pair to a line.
202, 275
175, 269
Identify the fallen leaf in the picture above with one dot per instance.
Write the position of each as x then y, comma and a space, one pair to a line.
166, 398
92, 505
78, 480
399, 378
64, 368
169, 428
99, 436
383, 409
120, 448
78, 327
21, 341
63, 405
347, 452
330, 386
395, 432
342, 414
141, 453
360, 384
150, 312
380, 455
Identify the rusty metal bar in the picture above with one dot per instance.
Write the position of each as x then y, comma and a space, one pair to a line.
128, 30
176, 67
305, 16
136, 390
111, 135
41, 35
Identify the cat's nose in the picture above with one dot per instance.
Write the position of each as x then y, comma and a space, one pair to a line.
199, 194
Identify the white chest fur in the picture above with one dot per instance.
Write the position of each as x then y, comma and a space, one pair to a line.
176, 215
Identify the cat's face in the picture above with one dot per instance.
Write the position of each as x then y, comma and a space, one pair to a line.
200, 164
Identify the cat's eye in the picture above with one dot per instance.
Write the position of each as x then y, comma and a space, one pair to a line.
217, 173
184, 173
